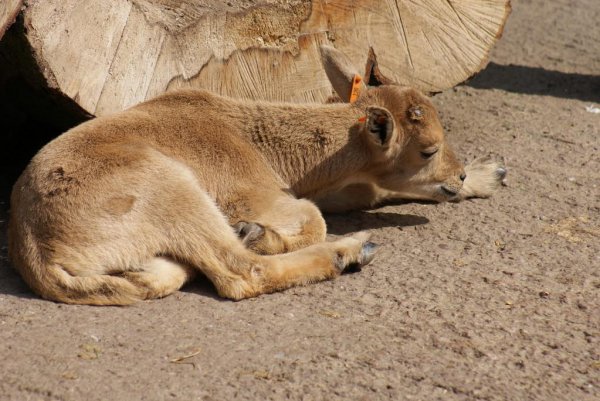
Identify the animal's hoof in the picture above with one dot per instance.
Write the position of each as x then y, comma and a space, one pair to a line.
249, 232
484, 176
501, 173
368, 253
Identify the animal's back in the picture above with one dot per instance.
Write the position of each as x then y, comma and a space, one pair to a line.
77, 192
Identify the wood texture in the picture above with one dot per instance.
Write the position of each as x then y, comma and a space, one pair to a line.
9, 9
108, 55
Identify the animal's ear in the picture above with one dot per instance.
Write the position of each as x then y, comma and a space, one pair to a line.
344, 78
379, 125
373, 75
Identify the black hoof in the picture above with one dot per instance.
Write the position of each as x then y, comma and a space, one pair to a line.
367, 254
249, 232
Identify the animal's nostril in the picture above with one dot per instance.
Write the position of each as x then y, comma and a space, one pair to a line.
463, 176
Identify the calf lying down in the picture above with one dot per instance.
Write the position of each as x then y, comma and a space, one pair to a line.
133, 205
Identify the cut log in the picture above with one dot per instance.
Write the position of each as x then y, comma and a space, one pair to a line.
108, 55
8, 13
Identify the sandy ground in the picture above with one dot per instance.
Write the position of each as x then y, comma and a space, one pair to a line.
494, 299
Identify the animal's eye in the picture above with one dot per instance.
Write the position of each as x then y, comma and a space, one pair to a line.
428, 154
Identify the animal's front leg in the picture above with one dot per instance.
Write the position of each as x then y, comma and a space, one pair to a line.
484, 177
281, 224
261, 239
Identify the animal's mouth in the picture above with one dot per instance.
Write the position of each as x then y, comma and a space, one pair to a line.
449, 192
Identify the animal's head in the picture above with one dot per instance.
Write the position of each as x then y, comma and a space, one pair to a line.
401, 129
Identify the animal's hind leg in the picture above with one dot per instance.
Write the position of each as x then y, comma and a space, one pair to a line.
245, 274
316, 262
280, 223
238, 272
196, 233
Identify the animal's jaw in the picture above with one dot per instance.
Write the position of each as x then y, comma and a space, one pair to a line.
448, 192
436, 191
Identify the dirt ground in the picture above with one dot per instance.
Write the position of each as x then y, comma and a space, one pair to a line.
495, 299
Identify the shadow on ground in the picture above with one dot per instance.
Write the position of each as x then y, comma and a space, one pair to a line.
347, 223
538, 81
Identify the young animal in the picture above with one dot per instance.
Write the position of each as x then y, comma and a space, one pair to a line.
131, 206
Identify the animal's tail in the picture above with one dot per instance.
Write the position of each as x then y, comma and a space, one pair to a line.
56, 284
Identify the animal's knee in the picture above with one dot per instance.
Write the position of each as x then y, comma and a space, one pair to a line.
239, 287
314, 224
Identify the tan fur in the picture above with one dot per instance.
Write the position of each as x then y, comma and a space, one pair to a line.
131, 206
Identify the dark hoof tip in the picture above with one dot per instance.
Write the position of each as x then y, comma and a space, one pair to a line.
249, 231
352, 268
239, 226
501, 172
368, 252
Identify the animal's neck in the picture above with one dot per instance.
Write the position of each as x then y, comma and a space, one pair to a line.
314, 149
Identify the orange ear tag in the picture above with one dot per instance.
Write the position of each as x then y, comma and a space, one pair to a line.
362, 119
355, 88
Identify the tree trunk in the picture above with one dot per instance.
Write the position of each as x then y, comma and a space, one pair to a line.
108, 55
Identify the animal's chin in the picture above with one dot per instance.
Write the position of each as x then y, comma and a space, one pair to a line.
448, 192
445, 193
431, 191
436, 192
427, 192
